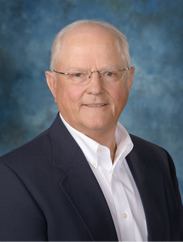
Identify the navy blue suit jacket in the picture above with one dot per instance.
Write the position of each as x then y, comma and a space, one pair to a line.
48, 192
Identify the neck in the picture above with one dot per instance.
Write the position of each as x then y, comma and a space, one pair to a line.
113, 151
106, 139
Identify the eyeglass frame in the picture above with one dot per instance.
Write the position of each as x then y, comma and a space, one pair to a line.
66, 73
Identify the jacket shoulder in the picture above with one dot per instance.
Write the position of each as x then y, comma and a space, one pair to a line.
148, 148
39, 146
158, 158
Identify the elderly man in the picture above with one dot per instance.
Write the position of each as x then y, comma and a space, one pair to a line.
86, 178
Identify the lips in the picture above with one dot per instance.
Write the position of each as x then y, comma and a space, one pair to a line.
95, 105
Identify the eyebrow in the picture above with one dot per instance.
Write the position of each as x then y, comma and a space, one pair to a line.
105, 67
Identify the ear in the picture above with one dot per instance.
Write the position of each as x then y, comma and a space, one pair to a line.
130, 78
51, 81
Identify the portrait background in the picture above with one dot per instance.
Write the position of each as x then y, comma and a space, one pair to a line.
154, 32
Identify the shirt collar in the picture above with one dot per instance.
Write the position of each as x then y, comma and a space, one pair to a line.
93, 150
87, 145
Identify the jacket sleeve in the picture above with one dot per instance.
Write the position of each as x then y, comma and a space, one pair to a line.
177, 193
181, 223
20, 216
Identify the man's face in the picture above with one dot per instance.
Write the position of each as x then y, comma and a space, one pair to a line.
90, 48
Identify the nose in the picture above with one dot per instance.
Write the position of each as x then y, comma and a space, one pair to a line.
95, 85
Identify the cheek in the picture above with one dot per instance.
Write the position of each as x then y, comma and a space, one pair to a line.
75, 93
68, 94
119, 94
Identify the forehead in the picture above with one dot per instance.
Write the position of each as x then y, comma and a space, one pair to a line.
91, 43
97, 33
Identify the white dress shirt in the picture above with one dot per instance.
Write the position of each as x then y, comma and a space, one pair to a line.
116, 182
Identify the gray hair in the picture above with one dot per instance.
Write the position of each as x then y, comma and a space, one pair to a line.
120, 37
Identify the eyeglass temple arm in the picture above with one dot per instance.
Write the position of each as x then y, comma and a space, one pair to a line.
61, 72
127, 68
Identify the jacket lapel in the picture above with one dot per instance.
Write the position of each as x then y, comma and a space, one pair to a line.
80, 185
150, 184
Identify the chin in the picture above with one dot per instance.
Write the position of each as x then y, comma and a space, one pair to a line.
96, 126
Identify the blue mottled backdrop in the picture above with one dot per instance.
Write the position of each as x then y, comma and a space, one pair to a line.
154, 29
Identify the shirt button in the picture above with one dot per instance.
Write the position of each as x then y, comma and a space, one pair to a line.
99, 150
124, 215
94, 163
113, 176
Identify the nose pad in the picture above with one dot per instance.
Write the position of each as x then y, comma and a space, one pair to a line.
95, 71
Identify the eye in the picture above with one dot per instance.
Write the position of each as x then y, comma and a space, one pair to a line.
76, 74
109, 73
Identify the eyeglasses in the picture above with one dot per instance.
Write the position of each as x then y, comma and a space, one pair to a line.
109, 75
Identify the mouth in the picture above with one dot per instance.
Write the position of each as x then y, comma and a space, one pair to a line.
95, 105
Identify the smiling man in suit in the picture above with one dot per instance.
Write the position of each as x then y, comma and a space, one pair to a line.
86, 178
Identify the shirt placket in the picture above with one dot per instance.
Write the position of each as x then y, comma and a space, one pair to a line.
122, 206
